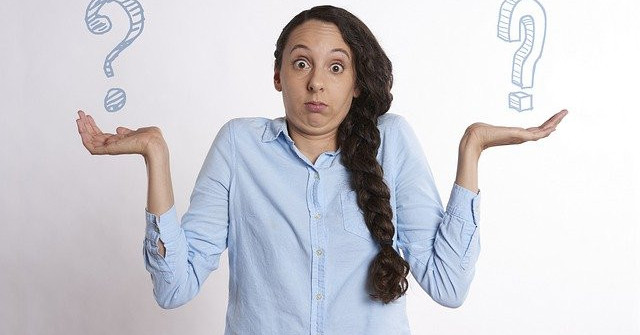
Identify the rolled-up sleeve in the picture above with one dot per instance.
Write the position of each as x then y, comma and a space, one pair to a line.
193, 248
441, 246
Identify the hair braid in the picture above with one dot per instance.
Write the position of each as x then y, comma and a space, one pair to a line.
360, 139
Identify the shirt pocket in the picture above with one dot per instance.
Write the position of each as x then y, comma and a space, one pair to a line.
352, 215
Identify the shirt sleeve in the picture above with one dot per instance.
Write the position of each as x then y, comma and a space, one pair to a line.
440, 246
193, 248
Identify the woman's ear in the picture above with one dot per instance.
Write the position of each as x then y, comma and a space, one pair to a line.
356, 92
276, 80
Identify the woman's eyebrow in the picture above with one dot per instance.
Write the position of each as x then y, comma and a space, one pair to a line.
343, 51
299, 46
302, 46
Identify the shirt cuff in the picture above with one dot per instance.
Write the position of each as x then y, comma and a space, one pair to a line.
165, 225
464, 204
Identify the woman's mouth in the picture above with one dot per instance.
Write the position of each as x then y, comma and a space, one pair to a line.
315, 106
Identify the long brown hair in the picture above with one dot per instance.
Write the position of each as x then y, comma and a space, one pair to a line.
359, 140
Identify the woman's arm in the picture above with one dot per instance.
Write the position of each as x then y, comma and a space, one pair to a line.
160, 190
149, 143
193, 245
480, 136
443, 247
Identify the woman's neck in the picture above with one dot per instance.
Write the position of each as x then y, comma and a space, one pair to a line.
312, 146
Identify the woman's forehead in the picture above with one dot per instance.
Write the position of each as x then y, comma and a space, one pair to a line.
317, 35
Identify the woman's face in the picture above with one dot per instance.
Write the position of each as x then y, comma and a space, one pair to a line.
317, 79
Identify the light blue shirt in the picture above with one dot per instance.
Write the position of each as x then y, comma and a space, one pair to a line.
299, 249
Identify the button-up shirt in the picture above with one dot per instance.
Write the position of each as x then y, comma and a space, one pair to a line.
299, 249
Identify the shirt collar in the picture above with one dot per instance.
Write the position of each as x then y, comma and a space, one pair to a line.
275, 127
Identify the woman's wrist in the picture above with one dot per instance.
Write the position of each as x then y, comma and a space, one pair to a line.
468, 155
156, 149
469, 146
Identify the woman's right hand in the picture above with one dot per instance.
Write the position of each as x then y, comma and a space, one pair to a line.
125, 141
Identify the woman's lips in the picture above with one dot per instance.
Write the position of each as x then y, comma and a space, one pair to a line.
315, 107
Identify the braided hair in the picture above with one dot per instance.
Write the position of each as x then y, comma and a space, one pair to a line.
359, 140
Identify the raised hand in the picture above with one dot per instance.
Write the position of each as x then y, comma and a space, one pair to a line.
486, 135
124, 141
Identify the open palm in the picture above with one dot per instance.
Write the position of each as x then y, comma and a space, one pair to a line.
124, 141
487, 135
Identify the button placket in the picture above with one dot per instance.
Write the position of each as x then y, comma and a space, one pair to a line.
314, 201
318, 239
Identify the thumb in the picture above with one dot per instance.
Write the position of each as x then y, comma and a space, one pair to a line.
123, 131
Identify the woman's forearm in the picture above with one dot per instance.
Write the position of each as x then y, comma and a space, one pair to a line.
468, 155
160, 190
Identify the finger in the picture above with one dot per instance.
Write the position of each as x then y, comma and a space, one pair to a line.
123, 131
88, 139
81, 120
92, 125
82, 127
555, 119
85, 124
561, 115
549, 122
84, 134
92, 141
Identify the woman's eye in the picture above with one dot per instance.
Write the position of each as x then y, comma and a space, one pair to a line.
336, 68
300, 64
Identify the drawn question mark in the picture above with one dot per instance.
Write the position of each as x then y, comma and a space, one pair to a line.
526, 18
100, 24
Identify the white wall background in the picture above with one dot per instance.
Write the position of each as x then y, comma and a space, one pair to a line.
560, 238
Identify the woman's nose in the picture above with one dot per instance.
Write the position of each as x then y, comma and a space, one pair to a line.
316, 82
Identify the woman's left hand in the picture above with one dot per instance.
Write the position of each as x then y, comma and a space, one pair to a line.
485, 135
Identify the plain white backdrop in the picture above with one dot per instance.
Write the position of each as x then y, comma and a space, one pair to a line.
559, 224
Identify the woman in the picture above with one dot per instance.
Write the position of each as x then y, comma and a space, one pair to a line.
315, 206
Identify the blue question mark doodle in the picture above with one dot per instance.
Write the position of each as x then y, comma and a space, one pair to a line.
528, 18
100, 24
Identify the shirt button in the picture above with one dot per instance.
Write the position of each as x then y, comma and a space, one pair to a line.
317, 216
316, 176
319, 252
319, 296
